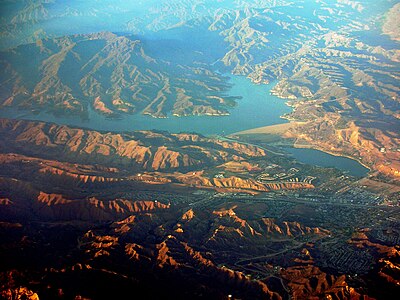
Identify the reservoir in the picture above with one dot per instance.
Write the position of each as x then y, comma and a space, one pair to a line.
323, 159
256, 108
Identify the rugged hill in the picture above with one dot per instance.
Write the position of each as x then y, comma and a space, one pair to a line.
196, 252
142, 150
375, 147
328, 60
58, 172
86, 214
170, 241
109, 74
343, 85
83, 217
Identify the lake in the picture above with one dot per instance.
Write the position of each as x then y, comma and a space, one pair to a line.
257, 108
323, 159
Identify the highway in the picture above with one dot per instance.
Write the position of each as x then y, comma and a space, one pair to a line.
278, 198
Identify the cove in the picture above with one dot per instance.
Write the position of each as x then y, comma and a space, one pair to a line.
323, 159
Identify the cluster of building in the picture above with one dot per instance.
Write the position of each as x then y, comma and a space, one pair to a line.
283, 176
357, 195
390, 236
347, 259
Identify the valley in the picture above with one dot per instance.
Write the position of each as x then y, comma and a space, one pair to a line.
109, 207
189, 149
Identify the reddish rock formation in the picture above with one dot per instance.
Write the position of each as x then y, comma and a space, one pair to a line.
309, 282
135, 150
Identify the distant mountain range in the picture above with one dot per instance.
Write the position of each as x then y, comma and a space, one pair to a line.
108, 73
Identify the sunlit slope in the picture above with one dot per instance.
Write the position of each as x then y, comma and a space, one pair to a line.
110, 74
334, 67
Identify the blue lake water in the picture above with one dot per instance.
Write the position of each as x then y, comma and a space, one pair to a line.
319, 158
257, 108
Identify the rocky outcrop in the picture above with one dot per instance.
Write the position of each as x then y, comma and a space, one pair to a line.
46, 206
19, 293
308, 282
55, 206
237, 183
189, 215
228, 229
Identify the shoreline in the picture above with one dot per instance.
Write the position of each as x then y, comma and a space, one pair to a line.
256, 108
280, 129
332, 153
276, 129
